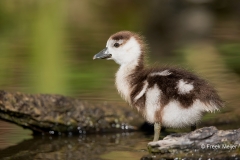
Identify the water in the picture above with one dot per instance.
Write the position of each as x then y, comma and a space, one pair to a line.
47, 47
109, 146
105, 146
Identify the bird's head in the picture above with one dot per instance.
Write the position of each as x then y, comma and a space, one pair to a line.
123, 47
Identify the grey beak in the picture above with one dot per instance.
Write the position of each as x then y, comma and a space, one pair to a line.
102, 54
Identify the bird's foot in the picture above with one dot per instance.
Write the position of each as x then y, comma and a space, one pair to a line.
158, 146
153, 146
162, 145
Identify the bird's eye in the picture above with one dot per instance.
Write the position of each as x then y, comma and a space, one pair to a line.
116, 45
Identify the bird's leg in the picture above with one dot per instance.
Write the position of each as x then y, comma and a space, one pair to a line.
157, 129
193, 127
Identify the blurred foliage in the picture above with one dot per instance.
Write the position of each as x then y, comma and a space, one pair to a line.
47, 46
47, 49
231, 54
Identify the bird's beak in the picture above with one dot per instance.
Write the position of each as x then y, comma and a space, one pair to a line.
103, 54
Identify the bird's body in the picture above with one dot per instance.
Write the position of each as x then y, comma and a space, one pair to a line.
166, 96
173, 97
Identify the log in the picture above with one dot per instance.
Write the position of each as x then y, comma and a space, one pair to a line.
57, 114
203, 143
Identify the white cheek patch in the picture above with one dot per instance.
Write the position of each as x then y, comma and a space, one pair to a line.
163, 73
140, 94
184, 87
128, 52
131, 51
152, 103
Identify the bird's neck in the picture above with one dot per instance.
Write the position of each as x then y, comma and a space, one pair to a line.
125, 75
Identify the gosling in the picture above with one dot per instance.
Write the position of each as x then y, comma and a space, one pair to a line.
169, 97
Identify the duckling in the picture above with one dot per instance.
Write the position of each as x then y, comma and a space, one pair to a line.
167, 96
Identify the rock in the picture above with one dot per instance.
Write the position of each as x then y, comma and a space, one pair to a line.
56, 114
206, 142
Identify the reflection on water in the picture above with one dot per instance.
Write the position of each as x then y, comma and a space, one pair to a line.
12, 134
86, 147
109, 146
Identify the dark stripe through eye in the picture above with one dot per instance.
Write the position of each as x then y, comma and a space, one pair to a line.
116, 45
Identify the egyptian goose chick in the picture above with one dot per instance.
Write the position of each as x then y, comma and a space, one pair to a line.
169, 97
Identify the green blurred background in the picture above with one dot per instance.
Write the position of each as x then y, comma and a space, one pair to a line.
47, 46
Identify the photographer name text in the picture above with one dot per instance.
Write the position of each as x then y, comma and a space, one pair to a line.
220, 146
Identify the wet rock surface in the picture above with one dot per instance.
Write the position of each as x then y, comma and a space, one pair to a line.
56, 114
203, 143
